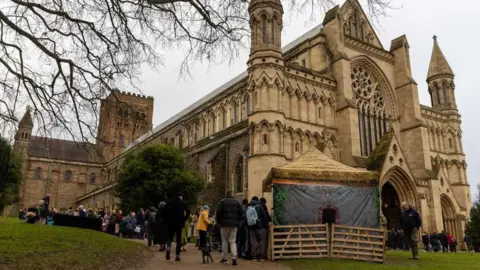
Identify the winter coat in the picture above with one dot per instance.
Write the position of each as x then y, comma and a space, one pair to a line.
203, 221
140, 218
262, 216
161, 227
176, 213
229, 212
150, 225
410, 219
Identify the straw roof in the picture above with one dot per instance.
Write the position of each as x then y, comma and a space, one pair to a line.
316, 166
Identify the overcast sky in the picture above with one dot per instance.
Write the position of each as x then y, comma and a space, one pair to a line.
456, 23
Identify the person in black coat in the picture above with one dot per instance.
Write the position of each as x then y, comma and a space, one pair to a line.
410, 221
161, 227
229, 214
176, 213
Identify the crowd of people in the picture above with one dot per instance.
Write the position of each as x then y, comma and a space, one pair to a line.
236, 228
435, 242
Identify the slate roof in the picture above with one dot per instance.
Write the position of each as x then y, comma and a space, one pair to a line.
42, 147
243, 76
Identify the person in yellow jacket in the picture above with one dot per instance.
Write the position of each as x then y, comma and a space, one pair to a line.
202, 225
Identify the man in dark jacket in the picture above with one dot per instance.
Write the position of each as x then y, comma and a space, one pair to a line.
410, 221
258, 231
176, 214
151, 220
229, 214
141, 222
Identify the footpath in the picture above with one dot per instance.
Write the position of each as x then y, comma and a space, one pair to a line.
192, 259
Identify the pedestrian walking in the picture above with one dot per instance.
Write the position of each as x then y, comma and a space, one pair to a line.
410, 221
176, 214
229, 214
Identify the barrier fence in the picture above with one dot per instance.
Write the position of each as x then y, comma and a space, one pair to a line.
326, 241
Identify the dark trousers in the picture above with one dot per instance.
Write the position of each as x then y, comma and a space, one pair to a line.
203, 238
178, 239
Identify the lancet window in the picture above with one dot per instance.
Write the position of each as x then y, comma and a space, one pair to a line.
372, 116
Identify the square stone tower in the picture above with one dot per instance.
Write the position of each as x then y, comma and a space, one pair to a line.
124, 117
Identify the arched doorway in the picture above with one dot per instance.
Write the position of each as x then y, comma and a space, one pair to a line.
449, 218
391, 206
397, 187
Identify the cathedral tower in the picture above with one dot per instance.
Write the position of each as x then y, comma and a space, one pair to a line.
440, 79
124, 117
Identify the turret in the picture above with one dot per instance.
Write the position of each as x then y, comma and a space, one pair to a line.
24, 131
440, 79
266, 28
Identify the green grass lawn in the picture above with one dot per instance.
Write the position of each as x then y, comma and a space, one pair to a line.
27, 246
397, 260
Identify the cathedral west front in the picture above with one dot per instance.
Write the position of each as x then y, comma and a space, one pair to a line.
336, 88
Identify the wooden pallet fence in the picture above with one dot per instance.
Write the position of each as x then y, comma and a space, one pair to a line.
299, 241
357, 243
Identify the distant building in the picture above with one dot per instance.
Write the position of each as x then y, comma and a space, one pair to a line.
68, 170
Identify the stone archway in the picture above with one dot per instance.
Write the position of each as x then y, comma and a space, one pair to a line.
449, 217
403, 185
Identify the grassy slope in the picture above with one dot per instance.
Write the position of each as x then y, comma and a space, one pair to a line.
397, 260
26, 246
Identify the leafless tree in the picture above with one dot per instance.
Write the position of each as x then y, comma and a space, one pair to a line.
62, 56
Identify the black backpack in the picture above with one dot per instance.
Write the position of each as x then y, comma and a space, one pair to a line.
151, 217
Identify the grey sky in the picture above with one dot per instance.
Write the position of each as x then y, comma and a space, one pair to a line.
456, 23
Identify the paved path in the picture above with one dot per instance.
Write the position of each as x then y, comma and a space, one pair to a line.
192, 259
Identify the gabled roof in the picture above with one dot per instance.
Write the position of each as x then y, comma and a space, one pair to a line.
42, 147
438, 62
379, 154
316, 166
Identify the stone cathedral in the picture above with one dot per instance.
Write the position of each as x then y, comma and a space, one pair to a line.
336, 88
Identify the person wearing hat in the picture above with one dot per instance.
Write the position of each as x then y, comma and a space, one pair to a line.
176, 213
202, 225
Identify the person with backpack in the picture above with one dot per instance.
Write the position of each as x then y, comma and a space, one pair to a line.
229, 214
150, 218
257, 222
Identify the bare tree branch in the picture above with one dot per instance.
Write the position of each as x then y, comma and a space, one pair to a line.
62, 57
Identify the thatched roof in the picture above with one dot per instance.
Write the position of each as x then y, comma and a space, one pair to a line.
316, 166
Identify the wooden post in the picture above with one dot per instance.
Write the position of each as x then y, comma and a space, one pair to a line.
271, 256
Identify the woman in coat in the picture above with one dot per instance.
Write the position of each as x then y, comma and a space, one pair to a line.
202, 225
161, 227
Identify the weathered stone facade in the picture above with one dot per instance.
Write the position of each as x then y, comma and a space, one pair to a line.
336, 88
67, 170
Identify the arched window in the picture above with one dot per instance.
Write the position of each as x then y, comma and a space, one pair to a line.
235, 112
248, 104
444, 89
224, 118
320, 110
120, 112
92, 178
238, 175
297, 147
264, 29
273, 30
38, 173
372, 116
204, 128
68, 175
121, 141
265, 139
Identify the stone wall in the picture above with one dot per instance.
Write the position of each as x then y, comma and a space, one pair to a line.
53, 180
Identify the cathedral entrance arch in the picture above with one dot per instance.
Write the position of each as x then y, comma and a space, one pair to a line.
391, 206
396, 187
449, 218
